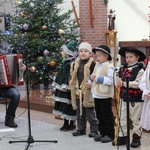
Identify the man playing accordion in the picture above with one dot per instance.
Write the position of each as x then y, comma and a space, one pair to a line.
14, 96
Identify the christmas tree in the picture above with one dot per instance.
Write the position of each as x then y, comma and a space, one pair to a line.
38, 30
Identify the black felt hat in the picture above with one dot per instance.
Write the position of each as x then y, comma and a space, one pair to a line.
122, 51
103, 48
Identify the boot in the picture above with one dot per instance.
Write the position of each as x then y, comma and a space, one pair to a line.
9, 121
65, 126
135, 141
72, 125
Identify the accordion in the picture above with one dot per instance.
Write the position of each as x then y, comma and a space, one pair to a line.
10, 73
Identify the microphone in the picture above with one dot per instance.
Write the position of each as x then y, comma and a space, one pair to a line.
121, 67
139, 65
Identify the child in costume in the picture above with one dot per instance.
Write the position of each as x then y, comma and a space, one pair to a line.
145, 87
81, 97
132, 56
102, 92
62, 97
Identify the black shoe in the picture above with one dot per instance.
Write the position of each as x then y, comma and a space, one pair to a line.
78, 133
93, 134
64, 128
72, 127
97, 138
120, 141
106, 139
136, 142
9, 121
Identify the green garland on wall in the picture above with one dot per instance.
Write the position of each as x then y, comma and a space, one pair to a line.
105, 1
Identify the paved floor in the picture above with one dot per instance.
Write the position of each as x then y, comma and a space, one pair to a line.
44, 126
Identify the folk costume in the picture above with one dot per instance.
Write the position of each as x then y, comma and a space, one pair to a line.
81, 97
135, 100
102, 92
145, 87
62, 97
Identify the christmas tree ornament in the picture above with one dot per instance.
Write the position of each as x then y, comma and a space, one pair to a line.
52, 63
61, 32
15, 35
32, 69
22, 14
19, 2
44, 27
35, 35
25, 26
1, 20
40, 58
45, 52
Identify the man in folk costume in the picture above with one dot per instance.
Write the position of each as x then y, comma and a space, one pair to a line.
132, 56
82, 100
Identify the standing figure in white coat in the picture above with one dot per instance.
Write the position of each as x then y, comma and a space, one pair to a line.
145, 87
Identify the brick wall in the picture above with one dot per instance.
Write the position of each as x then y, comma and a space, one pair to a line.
94, 35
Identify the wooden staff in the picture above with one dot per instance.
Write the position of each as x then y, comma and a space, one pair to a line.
117, 117
117, 110
75, 13
91, 13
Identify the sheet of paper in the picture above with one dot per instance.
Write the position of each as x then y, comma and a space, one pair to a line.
7, 130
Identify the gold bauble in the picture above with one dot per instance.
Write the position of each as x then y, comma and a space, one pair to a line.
52, 63
61, 32
15, 35
35, 35
22, 14
44, 27
40, 58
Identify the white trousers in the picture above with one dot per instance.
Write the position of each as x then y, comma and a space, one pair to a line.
134, 115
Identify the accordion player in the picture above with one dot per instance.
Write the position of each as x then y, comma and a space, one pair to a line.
10, 72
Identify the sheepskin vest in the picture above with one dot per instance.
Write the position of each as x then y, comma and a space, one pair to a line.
88, 101
102, 89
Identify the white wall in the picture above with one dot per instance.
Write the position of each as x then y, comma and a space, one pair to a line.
131, 19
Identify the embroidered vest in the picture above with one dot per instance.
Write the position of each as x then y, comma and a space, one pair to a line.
135, 95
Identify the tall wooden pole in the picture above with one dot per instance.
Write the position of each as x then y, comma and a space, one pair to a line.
75, 13
91, 14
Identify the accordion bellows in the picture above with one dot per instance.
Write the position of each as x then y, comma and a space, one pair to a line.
10, 73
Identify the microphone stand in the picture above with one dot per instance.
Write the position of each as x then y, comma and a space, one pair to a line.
30, 137
128, 110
